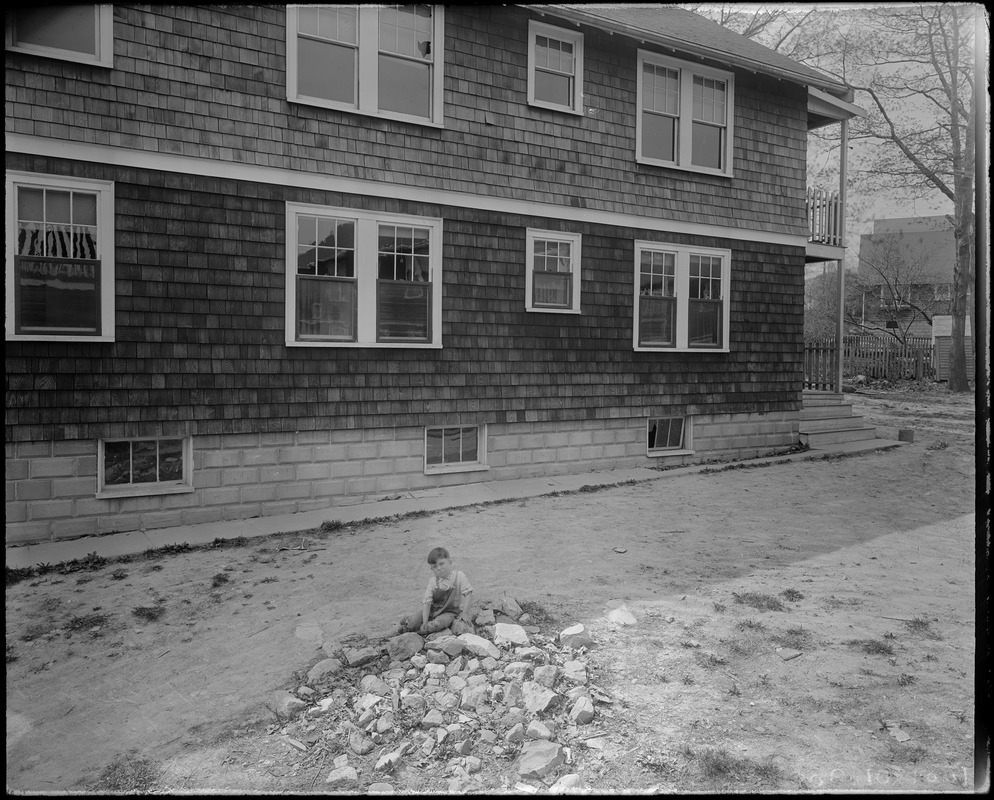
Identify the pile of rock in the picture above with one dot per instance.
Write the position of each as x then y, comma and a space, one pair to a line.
455, 705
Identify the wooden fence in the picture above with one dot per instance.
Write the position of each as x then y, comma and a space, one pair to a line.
870, 356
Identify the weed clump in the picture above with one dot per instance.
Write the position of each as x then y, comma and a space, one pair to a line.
873, 647
763, 602
148, 613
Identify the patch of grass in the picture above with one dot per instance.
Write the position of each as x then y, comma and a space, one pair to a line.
792, 595
11, 656
86, 621
734, 691
709, 660
219, 543
119, 574
717, 764
942, 444
539, 614
148, 613
873, 647
332, 525
687, 680
921, 626
719, 607
794, 638
750, 625
219, 580
270, 579
763, 602
128, 774
906, 680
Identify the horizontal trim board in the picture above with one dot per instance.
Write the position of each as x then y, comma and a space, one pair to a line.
253, 173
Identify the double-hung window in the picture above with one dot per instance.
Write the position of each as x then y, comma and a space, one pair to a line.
555, 68
681, 297
685, 114
60, 258
83, 33
358, 278
382, 60
552, 276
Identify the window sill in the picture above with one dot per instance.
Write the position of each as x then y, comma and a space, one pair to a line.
371, 345
47, 337
543, 310
143, 491
345, 109
554, 107
638, 349
666, 453
652, 162
443, 469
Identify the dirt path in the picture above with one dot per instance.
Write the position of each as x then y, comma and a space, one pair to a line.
871, 542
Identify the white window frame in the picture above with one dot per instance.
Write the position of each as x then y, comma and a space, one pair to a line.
463, 466
366, 265
104, 190
367, 70
575, 240
687, 447
104, 57
575, 38
687, 71
182, 486
683, 253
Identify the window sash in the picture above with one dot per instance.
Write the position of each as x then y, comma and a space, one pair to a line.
452, 445
657, 321
143, 461
552, 289
555, 67
327, 308
665, 433
403, 311
704, 323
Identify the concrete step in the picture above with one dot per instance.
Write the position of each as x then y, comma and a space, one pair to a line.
855, 434
831, 424
825, 412
811, 399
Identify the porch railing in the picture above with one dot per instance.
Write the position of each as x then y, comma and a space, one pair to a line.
824, 211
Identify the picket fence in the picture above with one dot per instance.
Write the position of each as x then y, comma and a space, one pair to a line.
871, 356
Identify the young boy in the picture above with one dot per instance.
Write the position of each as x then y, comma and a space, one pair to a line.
447, 599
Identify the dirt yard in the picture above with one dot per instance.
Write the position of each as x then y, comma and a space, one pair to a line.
803, 626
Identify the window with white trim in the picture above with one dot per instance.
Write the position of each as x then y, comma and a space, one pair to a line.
681, 297
384, 61
455, 448
685, 114
359, 278
552, 274
82, 33
555, 67
664, 435
60, 258
145, 466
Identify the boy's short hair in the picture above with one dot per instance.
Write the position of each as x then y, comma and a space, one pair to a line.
437, 553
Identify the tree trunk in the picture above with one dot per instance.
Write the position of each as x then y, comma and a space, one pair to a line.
963, 272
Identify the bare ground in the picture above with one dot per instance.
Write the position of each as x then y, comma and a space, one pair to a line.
871, 559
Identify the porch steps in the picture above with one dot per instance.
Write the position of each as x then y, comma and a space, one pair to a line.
826, 419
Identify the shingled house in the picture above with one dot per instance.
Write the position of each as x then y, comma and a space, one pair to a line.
267, 259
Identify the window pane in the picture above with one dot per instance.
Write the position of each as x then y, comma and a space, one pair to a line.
452, 446
404, 86
144, 462
704, 323
326, 309
117, 463
326, 70
171, 460
58, 296
659, 137
470, 444
406, 30
707, 146
31, 205
66, 28
552, 289
403, 311
657, 321
551, 87
433, 446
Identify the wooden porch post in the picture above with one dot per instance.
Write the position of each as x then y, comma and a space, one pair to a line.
843, 171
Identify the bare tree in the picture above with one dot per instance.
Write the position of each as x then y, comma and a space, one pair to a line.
914, 70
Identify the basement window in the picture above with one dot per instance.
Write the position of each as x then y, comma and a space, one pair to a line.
667, 435
456, 448
133, 467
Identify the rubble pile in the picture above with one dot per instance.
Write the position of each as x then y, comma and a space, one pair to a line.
505, 703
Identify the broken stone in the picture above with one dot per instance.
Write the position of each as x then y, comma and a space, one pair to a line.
433, 719
473, 764
404, 646
513, 717
485, 617
437, 657
418, 661
451, 646
569, 784
516, 734
538, 730
518, 669
505, 634
373, 684
436, 671
575, 637
465, 747
488, 664
341, 761
427, 747
357, 657
533, 654
621, 616
388, 761
328, 666
575, 672
367, 701
305, 691
546, 675
286, 704
509, 606
488, 736
359, 744
457, 683
524, 619
472, 665
343, 778
477, 680
414, 701
380, 788
367, 717
479, 646
514, 694
539, 757
582, 712
384, 723
473, 696
448, 700
537, 698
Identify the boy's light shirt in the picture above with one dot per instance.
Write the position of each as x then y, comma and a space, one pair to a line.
457, 578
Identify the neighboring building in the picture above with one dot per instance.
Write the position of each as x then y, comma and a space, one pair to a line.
267, 259
906, 274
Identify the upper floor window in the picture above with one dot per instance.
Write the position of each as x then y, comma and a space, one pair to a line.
379, 60
685, 114
357, 278
681, 297
552, 276
555, 68
82, 33
60, 258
